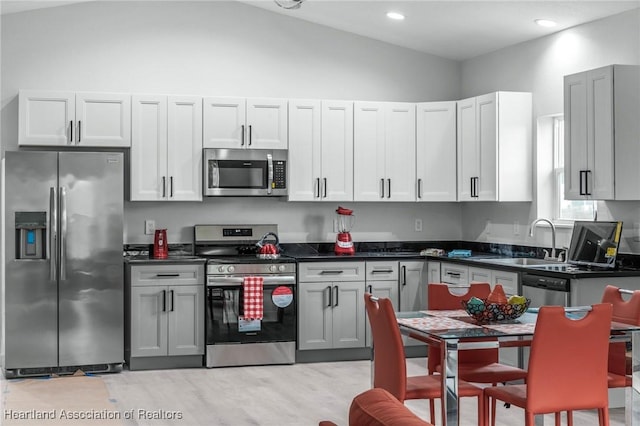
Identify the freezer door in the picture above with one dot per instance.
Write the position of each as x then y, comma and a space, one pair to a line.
91, 287
30, 286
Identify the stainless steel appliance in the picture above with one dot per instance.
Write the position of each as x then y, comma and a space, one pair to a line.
244, 172
232, 255
63, 275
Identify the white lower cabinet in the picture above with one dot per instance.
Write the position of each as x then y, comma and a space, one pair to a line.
165, 313
331, 305
508, 280
381, 281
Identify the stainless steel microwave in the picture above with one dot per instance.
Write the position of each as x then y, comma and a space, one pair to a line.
245, 172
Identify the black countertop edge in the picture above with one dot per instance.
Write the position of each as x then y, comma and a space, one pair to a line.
626, 264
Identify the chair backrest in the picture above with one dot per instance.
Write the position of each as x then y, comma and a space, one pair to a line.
568, 360
389, 366
626, 311
440, 298
377, 407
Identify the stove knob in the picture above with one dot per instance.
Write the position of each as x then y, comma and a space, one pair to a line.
273, 268
282, 268
231, 269
220, 268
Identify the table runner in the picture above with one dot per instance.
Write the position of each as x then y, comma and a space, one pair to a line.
435, 323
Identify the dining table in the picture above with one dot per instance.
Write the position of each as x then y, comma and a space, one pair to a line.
455, 330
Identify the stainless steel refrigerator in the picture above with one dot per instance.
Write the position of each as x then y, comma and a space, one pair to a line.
63, 275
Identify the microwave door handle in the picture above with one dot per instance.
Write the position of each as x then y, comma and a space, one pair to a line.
269, 173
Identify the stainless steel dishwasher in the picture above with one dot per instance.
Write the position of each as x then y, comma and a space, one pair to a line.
543, 290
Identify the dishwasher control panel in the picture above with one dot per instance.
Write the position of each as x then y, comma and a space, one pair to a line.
549, 283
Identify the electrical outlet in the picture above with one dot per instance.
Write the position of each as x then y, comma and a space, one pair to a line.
516, 228
418, 226
149, 227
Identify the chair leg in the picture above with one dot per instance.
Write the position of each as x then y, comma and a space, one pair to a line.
485, 408
557, 415
481, 418
603, 416
570, 418
432, 411
529, 418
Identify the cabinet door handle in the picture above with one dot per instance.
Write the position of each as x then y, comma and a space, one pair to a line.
167, 275
79, 131
324, 195
382, 271
71, 131
172, 299
381, 188
250, 134
586, 182
317, 187
404, 275
164, 300
171, 187
453, 274
331, 272
389, 184
582, 180
419, 188
370, 289
242, 135
336, 289
471, 185
330, 296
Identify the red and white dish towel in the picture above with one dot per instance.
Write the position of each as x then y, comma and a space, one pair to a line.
253, 298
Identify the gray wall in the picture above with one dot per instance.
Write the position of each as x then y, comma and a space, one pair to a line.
228, 49
538, 66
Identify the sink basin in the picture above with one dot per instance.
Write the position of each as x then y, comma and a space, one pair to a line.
520, 261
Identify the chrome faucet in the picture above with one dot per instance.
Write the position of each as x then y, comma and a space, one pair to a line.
553, 234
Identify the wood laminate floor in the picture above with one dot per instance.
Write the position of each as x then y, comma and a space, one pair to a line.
296, 395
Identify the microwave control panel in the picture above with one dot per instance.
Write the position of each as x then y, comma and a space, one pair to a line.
279, 175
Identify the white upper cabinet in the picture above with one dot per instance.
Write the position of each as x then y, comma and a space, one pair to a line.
254, 123
74, 119
384, 151
494, 147
436, 161
601, 110
166, 150
320, 150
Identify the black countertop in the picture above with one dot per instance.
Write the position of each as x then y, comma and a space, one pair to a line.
481, 256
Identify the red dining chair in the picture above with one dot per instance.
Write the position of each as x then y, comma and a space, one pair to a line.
474, 365
389, 363
567, 366
628, 312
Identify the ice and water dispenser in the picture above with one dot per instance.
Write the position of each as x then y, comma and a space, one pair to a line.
31, 231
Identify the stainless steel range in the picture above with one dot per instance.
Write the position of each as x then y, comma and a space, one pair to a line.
232, 257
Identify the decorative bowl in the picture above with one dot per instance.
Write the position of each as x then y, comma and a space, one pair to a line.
492, 312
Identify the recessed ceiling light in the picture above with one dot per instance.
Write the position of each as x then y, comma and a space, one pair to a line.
546, 23
395, 15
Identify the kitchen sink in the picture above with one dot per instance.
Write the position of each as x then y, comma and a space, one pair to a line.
520, 261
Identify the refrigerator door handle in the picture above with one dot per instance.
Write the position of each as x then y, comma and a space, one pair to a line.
53, 234
63, 233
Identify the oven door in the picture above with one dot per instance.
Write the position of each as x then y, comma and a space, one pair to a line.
225, 307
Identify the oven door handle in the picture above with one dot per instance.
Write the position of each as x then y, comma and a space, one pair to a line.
235, 281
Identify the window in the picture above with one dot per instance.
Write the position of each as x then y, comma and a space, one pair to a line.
566, 210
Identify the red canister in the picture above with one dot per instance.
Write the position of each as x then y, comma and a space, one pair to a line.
160, 250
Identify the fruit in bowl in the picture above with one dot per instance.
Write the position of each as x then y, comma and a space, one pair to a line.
485, 311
